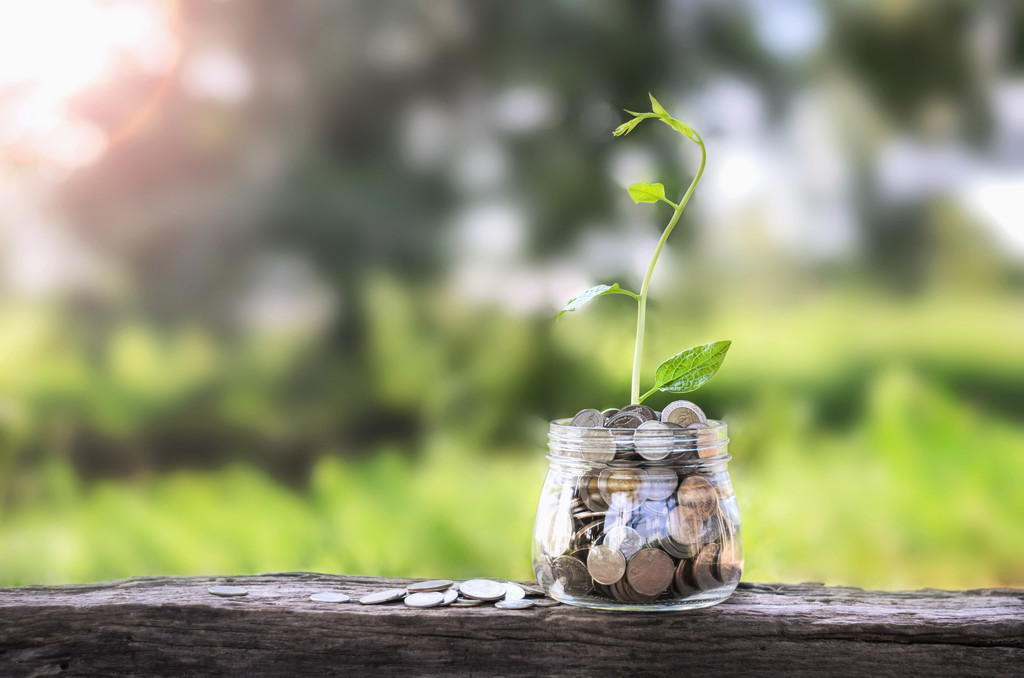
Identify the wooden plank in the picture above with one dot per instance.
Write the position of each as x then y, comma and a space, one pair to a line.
172, 626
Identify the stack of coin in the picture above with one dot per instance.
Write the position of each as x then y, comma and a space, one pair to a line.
648, 516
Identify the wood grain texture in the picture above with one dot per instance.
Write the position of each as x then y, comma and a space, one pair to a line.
172, 626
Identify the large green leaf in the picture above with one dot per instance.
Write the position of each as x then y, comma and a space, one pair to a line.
688, 370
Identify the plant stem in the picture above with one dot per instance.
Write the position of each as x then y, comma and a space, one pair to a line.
634, 394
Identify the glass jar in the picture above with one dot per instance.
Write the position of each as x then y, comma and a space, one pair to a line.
638, 519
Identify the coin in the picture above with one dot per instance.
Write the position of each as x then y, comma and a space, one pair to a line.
606, 564
520, 604
697, 493
229, 591
329, 597
651, 528
450, 596
545, 602
683, 580
625, 539
589, 417
653, 440
683, 412
677, 549
514, 592
597, 444
705, 575
624, 420
660, 483
645, 412
383, 596
531, 591
466, 602
685, 525
432, 585
484, 589
622, 486
609, 413
571, 576
425, 599
588, 532
650, 571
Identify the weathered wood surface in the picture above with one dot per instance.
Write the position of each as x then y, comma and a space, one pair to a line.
173, 626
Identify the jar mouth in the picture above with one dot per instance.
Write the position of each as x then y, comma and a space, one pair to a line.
599, 446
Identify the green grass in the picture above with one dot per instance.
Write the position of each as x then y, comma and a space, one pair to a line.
924, 493
875, 444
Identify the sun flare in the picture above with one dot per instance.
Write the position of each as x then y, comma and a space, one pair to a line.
51, 52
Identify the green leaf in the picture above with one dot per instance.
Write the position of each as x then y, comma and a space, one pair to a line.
682, 128
658, 109
689, 370
677, 125
627, 127
642, 191
596, 291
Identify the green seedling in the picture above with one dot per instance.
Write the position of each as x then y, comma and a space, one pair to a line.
687, 370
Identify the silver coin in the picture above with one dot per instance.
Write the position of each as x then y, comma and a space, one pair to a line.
531, 591
329, 597
483, 589
545, 602
571, 577
460, 601
683, 412
432, 585
645, 412
606, 564
597, 445
450, 596
660, 483
588, 418
653, 440
386, 596
229, 591
426, 599
520, 604
625, 539
514, 592
625, 420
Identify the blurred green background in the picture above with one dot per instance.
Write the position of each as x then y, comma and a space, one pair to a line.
277, 280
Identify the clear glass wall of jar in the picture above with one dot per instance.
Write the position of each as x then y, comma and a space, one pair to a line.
642, 519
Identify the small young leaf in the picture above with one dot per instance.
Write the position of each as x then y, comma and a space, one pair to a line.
596, 291
682, 128
688, 370
627, 127
642, 191
658, 109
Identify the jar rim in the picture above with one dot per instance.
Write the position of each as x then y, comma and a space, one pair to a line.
597, 446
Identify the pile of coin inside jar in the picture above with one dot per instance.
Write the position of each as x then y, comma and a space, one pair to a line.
638, 509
